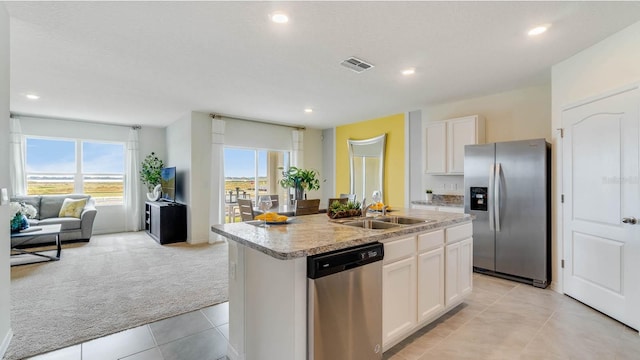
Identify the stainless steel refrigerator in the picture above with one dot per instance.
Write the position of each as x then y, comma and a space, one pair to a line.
508, 190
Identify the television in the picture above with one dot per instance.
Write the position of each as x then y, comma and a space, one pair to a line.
168, 184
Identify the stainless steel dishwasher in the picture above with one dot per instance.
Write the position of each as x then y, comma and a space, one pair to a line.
345, 304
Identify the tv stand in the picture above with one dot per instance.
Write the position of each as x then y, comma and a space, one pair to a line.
166, 222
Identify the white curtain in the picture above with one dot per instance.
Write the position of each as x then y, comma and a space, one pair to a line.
17, 168
298, 148
132, 184
216, 204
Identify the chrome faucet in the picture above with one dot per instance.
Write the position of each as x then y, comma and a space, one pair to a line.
365, 208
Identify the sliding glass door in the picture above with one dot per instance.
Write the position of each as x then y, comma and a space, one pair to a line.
249, 173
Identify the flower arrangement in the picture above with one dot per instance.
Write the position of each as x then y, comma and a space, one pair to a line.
19, 213
151, 170
300, 179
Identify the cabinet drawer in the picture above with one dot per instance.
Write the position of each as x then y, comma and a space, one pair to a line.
458, 233
451, 209
399, 249
430, 240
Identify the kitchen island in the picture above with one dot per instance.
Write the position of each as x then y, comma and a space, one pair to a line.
426, 272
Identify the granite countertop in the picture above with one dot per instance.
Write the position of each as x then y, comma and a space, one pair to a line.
317, 234
436, 203
443, 201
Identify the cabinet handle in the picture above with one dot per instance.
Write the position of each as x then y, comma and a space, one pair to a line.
630, 220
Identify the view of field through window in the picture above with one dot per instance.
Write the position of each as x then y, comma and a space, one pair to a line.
61, 166
243, 168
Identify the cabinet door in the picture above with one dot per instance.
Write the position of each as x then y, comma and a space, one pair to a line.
398, 298
461, 132
452, 274
155, 220
458, 271
430, 284
465, 281
436, 159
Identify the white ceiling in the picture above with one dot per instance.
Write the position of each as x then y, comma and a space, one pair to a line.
151, 62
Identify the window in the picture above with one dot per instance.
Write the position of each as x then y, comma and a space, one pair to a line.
244, 168
63, 166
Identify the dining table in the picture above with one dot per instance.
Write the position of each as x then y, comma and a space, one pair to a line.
284, 209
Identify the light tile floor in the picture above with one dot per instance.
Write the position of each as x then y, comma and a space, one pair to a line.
197, 335
500, 320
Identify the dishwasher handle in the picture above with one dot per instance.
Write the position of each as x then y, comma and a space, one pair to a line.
341, 260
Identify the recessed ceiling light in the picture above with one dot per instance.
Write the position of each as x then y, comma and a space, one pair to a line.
410, 71
538, 30
279, 17
32, 96
308, 110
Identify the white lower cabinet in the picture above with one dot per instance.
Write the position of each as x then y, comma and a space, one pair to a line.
423, 276
430, 284
458, 281
398, 298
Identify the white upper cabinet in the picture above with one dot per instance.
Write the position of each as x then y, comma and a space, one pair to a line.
446, 140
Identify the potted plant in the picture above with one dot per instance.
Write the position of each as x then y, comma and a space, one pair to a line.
300, 180
150, 175
339, 210
429, 194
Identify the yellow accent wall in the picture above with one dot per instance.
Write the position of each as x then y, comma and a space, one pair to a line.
393, 126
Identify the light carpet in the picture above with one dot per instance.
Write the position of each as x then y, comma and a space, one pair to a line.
113, 283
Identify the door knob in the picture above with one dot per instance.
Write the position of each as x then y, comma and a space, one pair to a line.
630, 220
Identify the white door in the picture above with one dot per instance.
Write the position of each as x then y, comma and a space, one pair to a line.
398, 299
452, 274
430, 284
460, 132
465, 281
602, 197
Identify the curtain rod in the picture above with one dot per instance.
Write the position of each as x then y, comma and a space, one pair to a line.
219, 116
18, 115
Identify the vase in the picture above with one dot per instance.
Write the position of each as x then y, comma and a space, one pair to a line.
19, 222
429, 197
299, 193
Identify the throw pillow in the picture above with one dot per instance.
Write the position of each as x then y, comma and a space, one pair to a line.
72, 208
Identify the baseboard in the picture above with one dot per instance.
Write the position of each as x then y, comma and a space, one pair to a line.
232, 354
5, 343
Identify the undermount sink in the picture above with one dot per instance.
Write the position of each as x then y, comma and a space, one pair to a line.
371, 224
402, 220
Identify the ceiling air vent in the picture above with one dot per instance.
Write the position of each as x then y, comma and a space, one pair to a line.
357, 65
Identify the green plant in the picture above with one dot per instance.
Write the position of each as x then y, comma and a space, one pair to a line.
428, 191
337, 206
150, 171
295, 177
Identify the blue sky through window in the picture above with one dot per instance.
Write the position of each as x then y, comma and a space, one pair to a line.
102, 158
51, 156
59, 156
241, 163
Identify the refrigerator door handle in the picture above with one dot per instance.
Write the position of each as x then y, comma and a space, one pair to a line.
496, 196
492, 173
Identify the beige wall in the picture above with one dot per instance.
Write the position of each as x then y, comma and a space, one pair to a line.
5, 279
610, 64
513, 115
189, 150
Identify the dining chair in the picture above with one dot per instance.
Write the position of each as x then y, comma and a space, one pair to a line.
274, 201
351, 197
342, 200
246, 209
307, 207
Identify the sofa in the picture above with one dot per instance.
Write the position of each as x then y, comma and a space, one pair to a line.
48, 207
